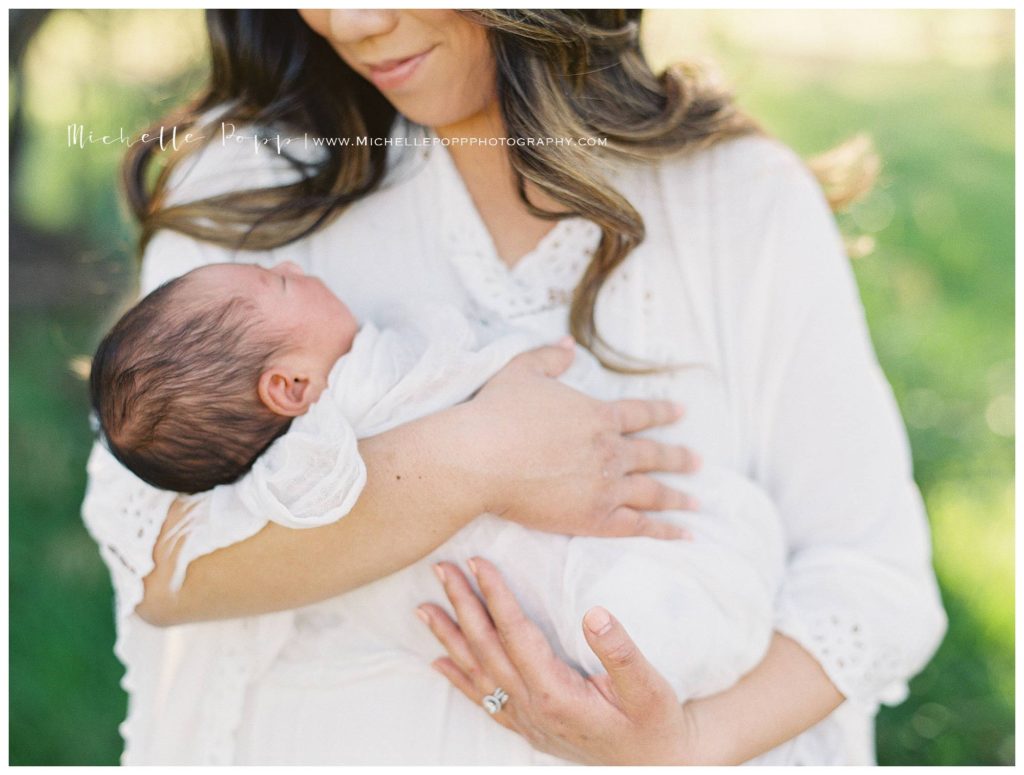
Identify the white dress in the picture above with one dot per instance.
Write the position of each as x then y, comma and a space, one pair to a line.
741, 274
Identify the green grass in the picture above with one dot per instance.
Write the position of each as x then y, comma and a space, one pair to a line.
65, 704
939, 295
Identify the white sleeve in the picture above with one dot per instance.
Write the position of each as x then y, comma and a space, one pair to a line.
311, 476
825, 439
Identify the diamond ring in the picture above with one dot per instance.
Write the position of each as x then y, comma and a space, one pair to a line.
495, 701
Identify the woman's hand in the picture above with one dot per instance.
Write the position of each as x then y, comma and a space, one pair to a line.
629, 716
556, 460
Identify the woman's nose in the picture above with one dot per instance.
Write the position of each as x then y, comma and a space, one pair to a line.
350, 26
287, 267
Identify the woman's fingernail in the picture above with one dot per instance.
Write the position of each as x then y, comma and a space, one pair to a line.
697, 460
567, 342
472, 565
598, 621
686, 535
439, 572
694, 504
680, 410
423, 617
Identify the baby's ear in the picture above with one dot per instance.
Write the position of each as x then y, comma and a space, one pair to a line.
285, 393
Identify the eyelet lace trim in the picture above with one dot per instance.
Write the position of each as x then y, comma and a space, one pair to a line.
126, 528
856, 662
542, 280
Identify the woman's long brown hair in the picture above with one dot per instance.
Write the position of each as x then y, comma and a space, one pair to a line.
573, 73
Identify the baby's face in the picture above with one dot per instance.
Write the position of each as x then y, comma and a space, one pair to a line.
293, 304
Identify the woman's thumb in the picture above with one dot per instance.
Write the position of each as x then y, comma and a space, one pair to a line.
554, 359
633, 679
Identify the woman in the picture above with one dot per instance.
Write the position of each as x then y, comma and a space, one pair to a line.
713, 247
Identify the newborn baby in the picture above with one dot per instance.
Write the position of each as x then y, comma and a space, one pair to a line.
197, 379
195, 384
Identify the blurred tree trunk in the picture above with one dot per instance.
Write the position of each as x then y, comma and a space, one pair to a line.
24, 24
39, 263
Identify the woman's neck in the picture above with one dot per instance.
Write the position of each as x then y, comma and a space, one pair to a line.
486, 171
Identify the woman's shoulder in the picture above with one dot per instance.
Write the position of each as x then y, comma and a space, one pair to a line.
735, 214
742, 195
753, 153
743, 170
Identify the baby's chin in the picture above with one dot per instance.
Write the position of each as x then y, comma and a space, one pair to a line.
348, 327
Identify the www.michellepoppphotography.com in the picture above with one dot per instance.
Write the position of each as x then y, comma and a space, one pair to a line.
79, 136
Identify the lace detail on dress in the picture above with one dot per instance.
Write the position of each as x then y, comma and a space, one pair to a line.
241, 644
855, 661
124, 516
542, 280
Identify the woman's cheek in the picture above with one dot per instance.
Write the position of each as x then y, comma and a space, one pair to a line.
451, 93
318, 19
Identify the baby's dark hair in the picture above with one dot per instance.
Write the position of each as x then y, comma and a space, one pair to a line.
174, 385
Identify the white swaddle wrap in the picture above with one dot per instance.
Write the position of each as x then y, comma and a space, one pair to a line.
701, 610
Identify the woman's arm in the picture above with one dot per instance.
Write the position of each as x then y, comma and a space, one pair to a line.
787, 693
525, 445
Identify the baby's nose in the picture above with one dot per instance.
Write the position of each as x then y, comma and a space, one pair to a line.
287, 267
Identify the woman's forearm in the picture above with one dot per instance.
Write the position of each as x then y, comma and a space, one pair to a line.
407, 509
786, 694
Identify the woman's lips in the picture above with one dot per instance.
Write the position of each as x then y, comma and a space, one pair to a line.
392, 73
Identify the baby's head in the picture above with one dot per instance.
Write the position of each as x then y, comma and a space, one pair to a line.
195, 381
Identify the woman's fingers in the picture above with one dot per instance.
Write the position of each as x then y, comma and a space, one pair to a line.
637, 686
636, 415
626, 522
454, 642
551, 361
649, 455
462, 682
523, 642
642, 492
450, 670
476, 628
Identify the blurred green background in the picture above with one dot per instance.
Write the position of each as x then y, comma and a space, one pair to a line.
934, 89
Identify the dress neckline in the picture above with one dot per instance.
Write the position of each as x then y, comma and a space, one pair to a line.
542, 279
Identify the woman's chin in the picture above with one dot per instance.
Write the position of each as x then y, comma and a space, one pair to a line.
435, 111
